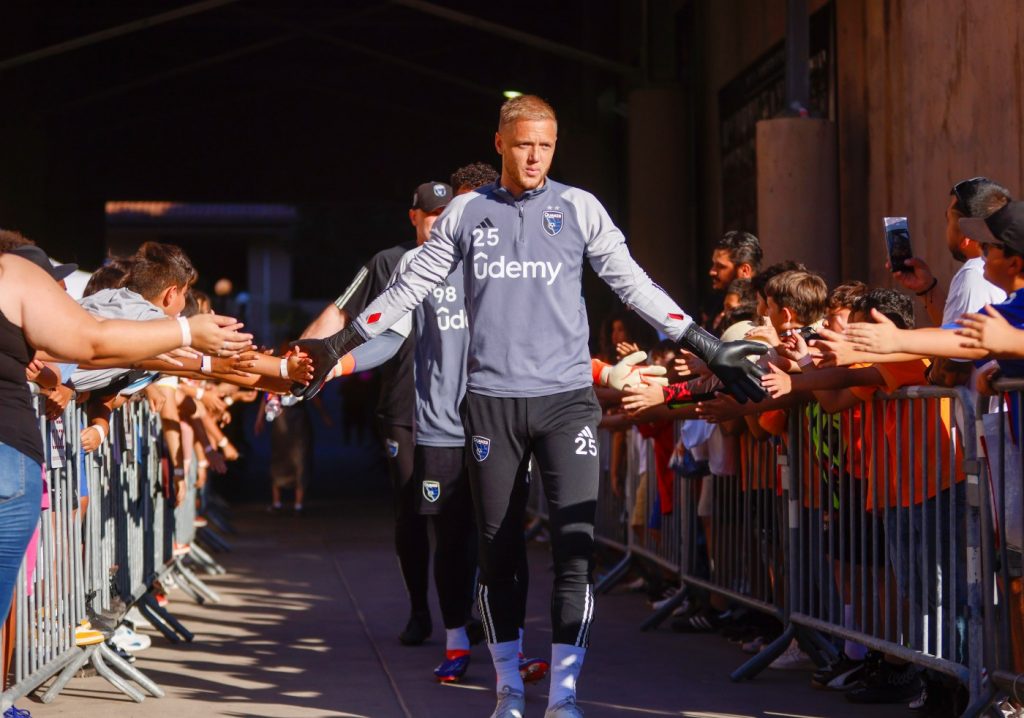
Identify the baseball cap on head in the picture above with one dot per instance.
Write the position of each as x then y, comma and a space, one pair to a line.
1004, 227
430, 196
38, 257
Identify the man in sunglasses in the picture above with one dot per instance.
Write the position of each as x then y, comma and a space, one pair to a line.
969, 290
976, 197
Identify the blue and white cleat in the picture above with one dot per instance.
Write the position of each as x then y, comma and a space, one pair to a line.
452, 670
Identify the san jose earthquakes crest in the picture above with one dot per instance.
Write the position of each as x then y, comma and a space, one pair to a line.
431, 490
392, 447
552, 220
481, 447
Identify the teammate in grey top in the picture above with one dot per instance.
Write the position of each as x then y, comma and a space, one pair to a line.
529, 385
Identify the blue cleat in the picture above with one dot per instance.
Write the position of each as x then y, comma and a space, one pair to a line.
452, 670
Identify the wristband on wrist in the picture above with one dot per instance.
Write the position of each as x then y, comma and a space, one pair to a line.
229, 400
199, 393
284, 369
186, 332
206, 365
203, 464
223, 442
805, 360
931, 286
101, 431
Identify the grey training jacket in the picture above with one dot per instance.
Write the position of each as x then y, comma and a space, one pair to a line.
523, 285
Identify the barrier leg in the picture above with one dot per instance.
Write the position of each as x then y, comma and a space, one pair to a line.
130, 671
196, 583
65, 676
659, 616
158, 624
187, 588
211, 539
769, 653
112, 678
166, 617
209, 564
617, 572
30, 683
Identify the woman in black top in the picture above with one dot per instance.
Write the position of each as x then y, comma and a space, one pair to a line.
36, 314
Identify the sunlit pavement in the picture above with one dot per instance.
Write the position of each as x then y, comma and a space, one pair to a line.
308, 624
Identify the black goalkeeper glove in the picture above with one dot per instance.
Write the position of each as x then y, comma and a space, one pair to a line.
728, 361
325, 354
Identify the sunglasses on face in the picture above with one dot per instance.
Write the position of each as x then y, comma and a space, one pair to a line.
965, 191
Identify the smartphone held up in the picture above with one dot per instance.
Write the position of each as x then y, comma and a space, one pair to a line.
897, 242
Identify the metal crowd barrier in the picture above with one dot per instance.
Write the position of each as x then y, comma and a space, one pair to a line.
893, 524
1000, 436
106, 538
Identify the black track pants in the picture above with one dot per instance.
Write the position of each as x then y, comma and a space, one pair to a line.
412, 543
560, 431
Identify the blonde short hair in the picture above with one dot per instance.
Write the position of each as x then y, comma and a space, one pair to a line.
525, 107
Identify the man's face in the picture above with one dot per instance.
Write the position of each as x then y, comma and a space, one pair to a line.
423, 221
723, 271
526, 148
954, 237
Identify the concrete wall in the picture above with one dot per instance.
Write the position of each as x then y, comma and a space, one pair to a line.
926, 93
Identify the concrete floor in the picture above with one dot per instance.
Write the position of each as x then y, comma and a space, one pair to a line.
308, 624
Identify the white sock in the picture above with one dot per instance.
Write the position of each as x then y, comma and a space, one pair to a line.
506, 664
854, 651
456, 639
566, 662
521, 633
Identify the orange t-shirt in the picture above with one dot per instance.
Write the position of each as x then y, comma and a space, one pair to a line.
917, 456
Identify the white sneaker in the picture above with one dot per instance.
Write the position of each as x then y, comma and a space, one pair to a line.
793, 659
128, 640
511, 704
565, 708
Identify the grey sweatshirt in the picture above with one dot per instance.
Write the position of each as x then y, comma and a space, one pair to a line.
523, 272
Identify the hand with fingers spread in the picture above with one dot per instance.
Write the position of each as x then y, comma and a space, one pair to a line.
833, 349
765, 333
689, 365
723, 407
880, 336
218, 335
793, 346
630, 372
624, 349
991, 331
300, 367
776, 382
728, 361
643, 396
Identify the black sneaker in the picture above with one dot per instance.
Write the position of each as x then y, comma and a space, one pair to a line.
889, 684
125, 655
842, 675
417, 630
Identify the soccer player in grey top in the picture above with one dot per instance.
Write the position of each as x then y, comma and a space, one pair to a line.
523, 241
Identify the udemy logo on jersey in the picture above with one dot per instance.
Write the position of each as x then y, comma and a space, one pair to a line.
486, 234
481, 448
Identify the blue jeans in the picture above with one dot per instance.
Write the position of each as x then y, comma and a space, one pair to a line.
21, 489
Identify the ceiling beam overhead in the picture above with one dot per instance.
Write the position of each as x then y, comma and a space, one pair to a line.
112, 32
525, 38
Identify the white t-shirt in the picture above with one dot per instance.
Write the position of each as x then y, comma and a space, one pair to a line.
969, 292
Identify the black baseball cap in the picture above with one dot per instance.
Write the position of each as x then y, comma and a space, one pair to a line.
431, 195
38, 257
1003, 227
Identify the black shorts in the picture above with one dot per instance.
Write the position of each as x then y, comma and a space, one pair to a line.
440, 473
